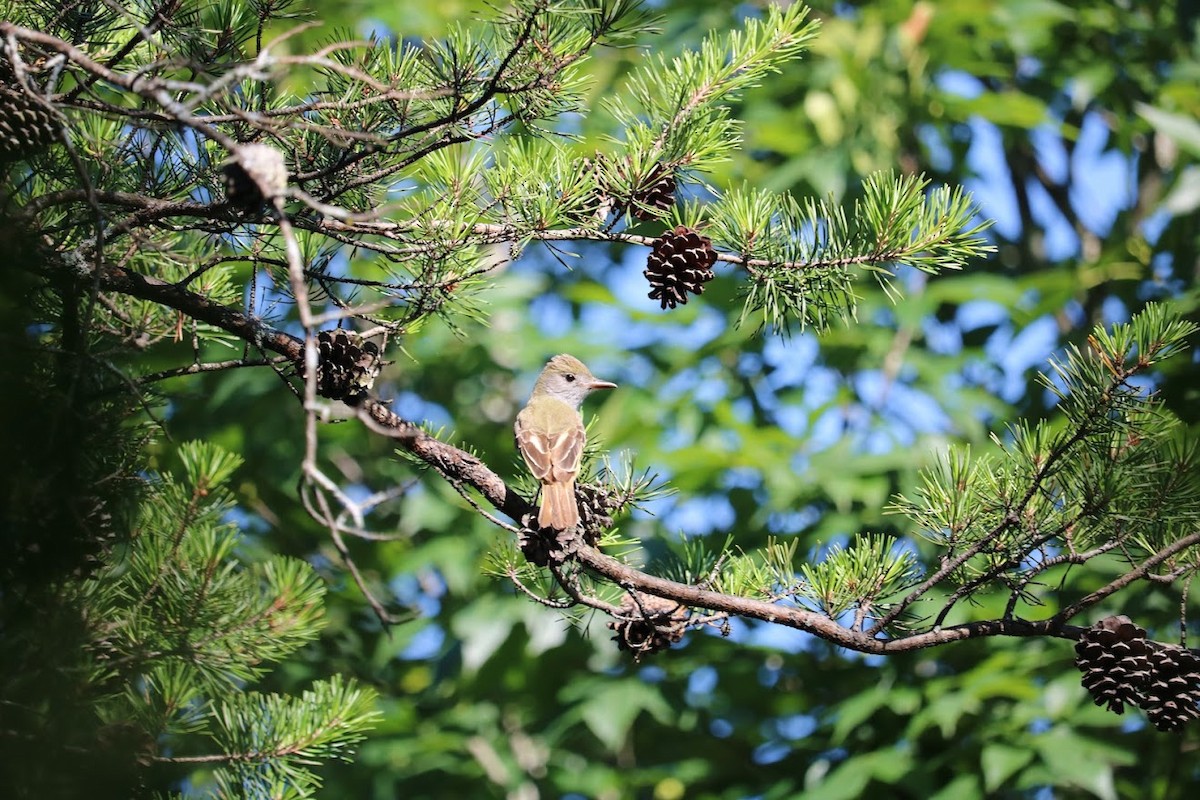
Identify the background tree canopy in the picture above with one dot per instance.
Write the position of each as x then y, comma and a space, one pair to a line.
217, 580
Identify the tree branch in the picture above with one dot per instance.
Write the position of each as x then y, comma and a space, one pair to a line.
456, 465
1129, 577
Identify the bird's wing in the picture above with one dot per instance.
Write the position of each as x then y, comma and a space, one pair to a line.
551, 459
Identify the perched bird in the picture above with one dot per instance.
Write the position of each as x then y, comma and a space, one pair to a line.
551, 436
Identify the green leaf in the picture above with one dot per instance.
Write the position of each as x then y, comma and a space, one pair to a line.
1083, 761
483, 627
610, 709
1000, 761
1009, 108
1184, 197
856, 710
852, 776
961, 788
1183, 129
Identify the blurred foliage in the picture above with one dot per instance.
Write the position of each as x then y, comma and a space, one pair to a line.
491, 696
1070, 122
1074, 125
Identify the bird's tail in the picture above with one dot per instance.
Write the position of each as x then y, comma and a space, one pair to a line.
559, 509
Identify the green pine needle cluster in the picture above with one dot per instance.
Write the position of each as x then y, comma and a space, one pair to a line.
672, 108
274, 740
862, 576
1112, 477
179, 627
802, 256
430, 165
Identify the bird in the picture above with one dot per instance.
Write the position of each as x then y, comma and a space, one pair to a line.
550, 436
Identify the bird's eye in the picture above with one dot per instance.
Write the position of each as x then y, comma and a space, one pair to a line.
570, 378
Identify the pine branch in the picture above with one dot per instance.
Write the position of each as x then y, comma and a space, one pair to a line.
422, 115
425, 114
1161, 337
670, 114
1100, 402
270, 742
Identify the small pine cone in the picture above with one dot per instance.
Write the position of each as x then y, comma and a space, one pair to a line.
26, 126
543, 547
655, 195
596, 502
1113, 657
1173, 691
648, 624
256, 173
346, 366
680, 262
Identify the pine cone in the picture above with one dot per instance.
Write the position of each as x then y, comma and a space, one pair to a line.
1173, 691
648, 624
655, 195
255, 173
346, 366
680, 262
541, 547
596, 502
1113, 656
26, 126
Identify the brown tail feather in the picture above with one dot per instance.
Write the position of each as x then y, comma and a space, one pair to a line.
559, 510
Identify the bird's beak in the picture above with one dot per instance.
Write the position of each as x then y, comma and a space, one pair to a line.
601, 385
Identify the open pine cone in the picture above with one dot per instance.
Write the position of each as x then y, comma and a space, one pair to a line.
597, 502
656, 194
1120, 667
679, 263
346, 366
26, 126
1114, 658
648, 624
1173, 691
